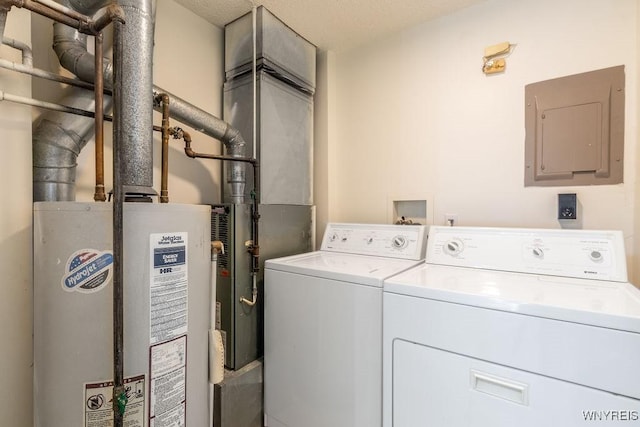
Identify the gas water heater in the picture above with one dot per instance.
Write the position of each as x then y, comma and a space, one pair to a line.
167, 260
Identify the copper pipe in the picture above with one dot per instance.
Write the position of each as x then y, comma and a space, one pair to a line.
254, 247
112, 13
51, 4
99, 195
164, 192
190, 153
40, 9
69, 17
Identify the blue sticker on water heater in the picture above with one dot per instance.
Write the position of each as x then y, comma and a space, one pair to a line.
88, 270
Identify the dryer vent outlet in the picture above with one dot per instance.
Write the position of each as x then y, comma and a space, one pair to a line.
567, 206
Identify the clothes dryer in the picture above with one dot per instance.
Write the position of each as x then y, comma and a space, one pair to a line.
323, 325
504, 327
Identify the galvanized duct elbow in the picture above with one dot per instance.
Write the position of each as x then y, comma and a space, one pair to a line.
58, 138
214, 127
71, 48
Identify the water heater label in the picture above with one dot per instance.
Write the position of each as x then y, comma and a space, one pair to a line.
98, 403
88, 270
168, 377
168, 309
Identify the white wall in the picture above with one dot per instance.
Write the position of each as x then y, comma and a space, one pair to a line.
416, 116
189, 63
15, 238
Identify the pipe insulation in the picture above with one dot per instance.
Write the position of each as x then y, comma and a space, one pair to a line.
25, 49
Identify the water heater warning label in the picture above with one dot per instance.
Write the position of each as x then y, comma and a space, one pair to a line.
168, 376
168, 288
98, 403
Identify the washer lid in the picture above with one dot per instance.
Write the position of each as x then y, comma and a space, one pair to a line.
593, 302
360, 269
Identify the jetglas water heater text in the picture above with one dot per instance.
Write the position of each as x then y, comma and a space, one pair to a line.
166, 264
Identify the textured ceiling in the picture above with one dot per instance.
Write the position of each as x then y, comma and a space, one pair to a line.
334, 24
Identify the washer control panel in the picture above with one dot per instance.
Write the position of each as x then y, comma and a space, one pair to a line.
569, 253
393, 241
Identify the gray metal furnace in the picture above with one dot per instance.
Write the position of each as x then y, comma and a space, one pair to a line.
284, 229
283, 75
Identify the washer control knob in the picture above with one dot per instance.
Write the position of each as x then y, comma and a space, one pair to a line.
596, 256
453, 247
538, 253
399, 242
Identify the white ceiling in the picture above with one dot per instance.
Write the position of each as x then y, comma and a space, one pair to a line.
333, 24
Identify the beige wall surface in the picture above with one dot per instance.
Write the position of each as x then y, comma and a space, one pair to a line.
15, 237
188, 62
417, 117
636, 252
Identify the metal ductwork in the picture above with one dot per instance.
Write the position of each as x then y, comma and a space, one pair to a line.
58, 138
216, 128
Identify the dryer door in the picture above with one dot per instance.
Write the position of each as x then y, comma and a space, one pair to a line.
437, 388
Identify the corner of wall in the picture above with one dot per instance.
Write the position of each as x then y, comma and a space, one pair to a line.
324, 129
634, 271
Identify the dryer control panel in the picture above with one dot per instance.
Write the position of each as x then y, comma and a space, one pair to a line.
587, 254
392, 241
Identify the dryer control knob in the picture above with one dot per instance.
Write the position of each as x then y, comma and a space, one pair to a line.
399, 242
596, 256
538, 253
453, 247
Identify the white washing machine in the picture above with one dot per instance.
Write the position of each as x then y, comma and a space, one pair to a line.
513, 327
323, 326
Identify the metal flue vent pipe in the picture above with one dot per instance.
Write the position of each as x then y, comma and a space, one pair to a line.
216, 128
134, 133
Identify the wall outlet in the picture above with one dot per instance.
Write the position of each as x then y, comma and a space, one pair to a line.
451, 219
